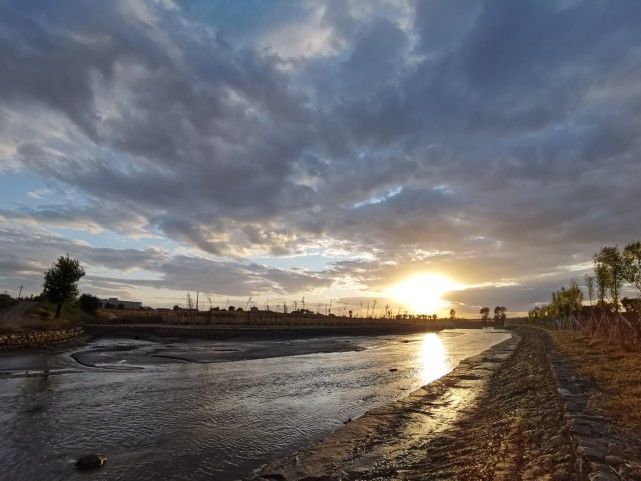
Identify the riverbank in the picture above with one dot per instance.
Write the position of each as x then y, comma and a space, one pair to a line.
40, 339
513, 412
30, 324
244, 332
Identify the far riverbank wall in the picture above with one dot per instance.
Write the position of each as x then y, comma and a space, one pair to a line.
292, 329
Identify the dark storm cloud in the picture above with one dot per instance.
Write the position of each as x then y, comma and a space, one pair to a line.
503, 132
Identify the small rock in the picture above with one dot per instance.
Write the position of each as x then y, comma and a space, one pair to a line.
581, 429
603, 477
91, 461
613, 460
591, 452
561, 475
393, 369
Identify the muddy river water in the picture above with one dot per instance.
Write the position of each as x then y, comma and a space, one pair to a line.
203, 409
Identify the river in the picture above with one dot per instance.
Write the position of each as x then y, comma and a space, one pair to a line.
182, 410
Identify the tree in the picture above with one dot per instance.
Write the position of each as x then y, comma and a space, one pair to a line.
631, 305
452, 314
61, 282
632, 264
589, 284
566, 302
88, 303
499, 314
485, 314
536, 312
609, 262
601, 277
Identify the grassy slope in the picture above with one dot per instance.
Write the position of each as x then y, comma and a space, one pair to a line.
40, 318
616, 372
70, 313
6, 301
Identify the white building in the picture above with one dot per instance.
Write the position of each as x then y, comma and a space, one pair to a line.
115, 303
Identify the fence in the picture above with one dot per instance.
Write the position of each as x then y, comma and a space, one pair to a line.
604, 325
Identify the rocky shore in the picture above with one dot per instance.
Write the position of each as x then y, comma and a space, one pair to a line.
515, 412
40, 339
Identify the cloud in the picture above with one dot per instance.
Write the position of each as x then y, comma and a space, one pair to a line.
26, 253
507, 131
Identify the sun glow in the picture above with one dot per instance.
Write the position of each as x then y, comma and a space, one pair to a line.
422, 292
433, 358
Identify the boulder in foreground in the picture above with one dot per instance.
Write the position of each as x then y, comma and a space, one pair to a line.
91, 461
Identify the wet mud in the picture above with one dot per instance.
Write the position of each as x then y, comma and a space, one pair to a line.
497, 416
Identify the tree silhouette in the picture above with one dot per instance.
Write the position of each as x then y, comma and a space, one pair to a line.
485, 313
499, 314
632, 264
88, 303
589, 285
631, 305
61, 282
610, 266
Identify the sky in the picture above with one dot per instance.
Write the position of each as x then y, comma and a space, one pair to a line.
322, 149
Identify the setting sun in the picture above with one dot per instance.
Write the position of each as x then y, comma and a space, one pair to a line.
422, 292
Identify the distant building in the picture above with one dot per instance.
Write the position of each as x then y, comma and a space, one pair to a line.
115, 303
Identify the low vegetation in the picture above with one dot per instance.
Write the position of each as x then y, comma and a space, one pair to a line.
6, 300
58, 307
599, 330
41, 317
46, 312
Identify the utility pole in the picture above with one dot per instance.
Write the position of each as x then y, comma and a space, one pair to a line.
20, 293
197, 299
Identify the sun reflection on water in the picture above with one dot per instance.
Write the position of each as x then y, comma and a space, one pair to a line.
433, 358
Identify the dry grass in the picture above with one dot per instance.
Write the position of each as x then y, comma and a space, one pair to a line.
10, 328
45, 311
616, 372
40, 318
6, 301
30, 325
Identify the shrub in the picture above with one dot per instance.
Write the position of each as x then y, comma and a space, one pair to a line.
89, 303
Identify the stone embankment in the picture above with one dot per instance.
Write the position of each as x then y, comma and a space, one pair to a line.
515, 412
38, 339
605, 452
